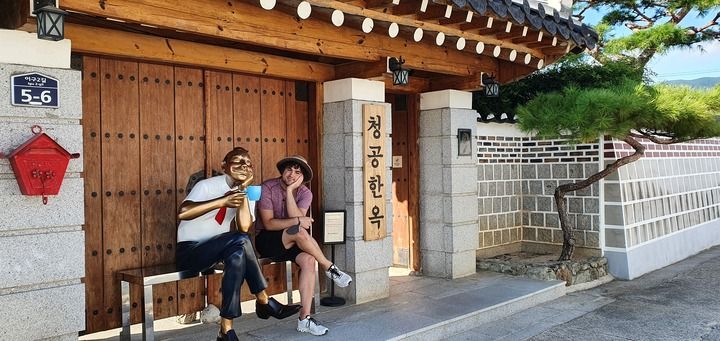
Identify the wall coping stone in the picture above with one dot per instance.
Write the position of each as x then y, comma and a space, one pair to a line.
25, 48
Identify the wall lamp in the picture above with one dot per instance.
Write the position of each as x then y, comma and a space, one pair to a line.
50, 20
400, 75
491, 87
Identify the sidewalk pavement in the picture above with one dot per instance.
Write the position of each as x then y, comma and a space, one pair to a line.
419, 308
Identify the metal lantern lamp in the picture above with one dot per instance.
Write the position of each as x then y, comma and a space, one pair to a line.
50, 20
491, 87
400, 75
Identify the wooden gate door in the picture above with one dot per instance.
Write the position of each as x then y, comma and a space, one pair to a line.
405, 181
149, 130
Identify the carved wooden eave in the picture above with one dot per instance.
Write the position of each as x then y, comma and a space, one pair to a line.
442, 40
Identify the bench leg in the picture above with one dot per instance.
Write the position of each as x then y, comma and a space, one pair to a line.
125, 297
288, 281
148, 321
316, 297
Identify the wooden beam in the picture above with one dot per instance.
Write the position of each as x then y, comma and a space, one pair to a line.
470, 83
416, 85
86, 39
361, 69
239, 21
13, 13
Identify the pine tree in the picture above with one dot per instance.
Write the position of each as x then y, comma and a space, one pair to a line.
582, 101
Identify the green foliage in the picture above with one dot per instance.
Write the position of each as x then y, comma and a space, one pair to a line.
572, 71
686, 112
658, 38
582, 115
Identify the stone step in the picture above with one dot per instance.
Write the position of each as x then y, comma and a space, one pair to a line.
445, 329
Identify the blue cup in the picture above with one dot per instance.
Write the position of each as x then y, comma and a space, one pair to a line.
253, 192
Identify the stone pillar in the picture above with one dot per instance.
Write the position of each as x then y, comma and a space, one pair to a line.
42, 258
448, 185
366, 261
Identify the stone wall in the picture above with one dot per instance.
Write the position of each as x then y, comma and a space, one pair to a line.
42, 258
663, 207
517, 176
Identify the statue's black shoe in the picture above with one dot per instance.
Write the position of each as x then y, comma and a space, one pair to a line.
275, 309
230, 336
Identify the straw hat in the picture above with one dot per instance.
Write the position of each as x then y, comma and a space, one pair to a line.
307, 171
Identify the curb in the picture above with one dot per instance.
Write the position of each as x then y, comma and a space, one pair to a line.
471, 320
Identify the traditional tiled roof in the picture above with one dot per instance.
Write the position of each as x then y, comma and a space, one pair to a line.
540, 16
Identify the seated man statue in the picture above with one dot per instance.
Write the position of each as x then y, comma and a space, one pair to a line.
282, 233
205, 238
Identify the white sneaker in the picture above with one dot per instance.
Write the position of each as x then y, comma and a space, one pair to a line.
310, 325
340, 278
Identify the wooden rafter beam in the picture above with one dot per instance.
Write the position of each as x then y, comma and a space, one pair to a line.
477, 24
86, 39
404, 8
243, 22
515, 32
448, 31
433, 12
455, 18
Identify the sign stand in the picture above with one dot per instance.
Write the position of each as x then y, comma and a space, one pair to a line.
333, 233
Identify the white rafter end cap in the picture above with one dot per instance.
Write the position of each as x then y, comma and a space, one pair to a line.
418, 34
393, 30
337, 17
528, 58
460, 44
480, 47
367, 25
440, 39
304, 10
267, 4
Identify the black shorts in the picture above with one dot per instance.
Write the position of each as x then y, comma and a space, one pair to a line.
269, 245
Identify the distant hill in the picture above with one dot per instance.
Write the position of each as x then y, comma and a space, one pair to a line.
705, 82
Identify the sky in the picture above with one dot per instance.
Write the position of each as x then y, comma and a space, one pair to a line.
680, 63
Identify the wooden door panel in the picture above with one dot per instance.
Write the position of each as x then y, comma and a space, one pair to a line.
189, 161
401, 233
219, 117
272, 104
272, 101
93, 198
246, 108
297, 122
120, 180
219, 121
148, 129
157, 178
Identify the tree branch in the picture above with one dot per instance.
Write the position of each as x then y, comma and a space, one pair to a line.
642, 15
560, 191
710, 24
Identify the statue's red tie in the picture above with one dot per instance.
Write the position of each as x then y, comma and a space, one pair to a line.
220, 216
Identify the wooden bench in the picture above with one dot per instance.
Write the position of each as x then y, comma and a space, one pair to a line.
147, 277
